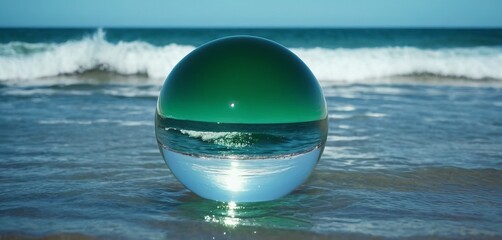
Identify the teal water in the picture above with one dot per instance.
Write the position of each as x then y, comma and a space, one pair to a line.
296, 38
413, 147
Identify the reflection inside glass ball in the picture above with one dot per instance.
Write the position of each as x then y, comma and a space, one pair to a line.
240, 162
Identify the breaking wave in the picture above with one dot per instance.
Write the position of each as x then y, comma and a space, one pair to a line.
19, 60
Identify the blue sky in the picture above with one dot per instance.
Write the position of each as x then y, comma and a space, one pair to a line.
257, 13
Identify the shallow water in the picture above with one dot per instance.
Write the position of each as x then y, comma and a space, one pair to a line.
402, 159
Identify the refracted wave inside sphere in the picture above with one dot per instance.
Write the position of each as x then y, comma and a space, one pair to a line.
241, 141
241, 162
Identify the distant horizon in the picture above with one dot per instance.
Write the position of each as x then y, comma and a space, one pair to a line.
254, 27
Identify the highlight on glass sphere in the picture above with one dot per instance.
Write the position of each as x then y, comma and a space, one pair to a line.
241, 119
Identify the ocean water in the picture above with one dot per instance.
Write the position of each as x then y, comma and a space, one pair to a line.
414, 147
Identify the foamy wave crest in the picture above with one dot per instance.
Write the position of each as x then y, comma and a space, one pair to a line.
25, 61
35, 60
368, 63
226, 139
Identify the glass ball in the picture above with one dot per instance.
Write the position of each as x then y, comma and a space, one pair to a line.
241, 119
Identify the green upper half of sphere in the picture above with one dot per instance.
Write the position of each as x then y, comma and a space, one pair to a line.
242, 79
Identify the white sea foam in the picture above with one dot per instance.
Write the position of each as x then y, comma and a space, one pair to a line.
36, 60
367, 63
90, 53
227, 139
